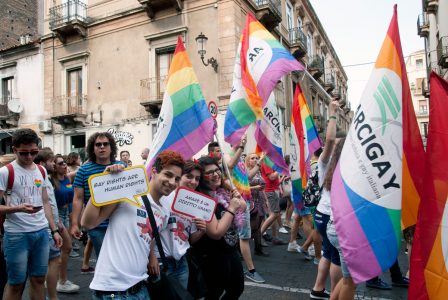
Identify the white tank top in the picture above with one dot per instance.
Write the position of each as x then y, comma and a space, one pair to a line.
124, 254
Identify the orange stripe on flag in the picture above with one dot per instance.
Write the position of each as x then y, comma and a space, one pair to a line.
411, 198
389, 57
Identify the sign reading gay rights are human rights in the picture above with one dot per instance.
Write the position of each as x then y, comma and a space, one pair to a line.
128, 185
193, 204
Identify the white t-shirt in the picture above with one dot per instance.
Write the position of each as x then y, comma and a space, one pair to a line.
124, 254
175, 239
53, 203
324, 205
27, 188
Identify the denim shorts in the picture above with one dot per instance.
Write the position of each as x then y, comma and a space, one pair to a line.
64, 216
178, 270
96, 235
333, 238
245, 231
26, 253
304, 211
54, 251
330, 252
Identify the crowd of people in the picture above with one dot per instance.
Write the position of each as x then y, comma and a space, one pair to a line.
47, 209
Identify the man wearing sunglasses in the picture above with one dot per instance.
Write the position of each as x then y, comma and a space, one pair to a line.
26, 240
101, 152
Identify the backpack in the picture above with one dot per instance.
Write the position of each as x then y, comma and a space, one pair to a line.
312, 193
9, 189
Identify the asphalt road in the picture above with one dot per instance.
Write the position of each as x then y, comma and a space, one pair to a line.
288, 276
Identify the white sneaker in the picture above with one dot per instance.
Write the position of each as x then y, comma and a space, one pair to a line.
73, 254
67, 287
292, 247
311, 250
283, 230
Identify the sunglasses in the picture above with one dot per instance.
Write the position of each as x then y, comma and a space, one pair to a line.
103, 144
211, 172
61, 163
26, 153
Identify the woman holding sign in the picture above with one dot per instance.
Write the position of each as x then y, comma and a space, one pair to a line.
181, 230
222, 266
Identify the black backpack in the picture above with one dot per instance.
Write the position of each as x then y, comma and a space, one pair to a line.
312, 193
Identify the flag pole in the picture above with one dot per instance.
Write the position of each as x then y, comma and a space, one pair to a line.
226, 168
318, 84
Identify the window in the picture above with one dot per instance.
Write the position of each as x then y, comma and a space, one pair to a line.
74, 85
423, 106
163, 62
419, 63
309, 44
7, 84
289, 17
299, 23
78, 144
424, 129
419, 86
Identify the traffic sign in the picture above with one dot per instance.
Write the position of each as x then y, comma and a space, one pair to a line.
213, 109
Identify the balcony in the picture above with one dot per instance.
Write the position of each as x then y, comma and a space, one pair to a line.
8, 118
70, 111
425, 88
268, 12
422, 26
442, 52
153, 6
316, 67
151, 94
69, 19
422, 113
430, 6
298, 42
337, 93
329, 82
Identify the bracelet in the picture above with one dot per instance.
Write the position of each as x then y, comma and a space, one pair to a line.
230, 212
332, 117
54, 231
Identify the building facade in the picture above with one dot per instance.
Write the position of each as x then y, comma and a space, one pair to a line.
106, 63
432, 25
21, 69
417, 77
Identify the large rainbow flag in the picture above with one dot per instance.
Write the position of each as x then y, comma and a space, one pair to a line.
304, 141
429, 256
260, 62
367, 185
185, 124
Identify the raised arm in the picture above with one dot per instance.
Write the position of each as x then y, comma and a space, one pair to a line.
330, 136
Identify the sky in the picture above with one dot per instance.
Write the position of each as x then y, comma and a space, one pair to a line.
357, 28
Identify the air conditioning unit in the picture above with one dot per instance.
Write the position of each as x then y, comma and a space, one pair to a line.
45, 126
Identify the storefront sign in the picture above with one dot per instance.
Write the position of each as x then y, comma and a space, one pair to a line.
121, 137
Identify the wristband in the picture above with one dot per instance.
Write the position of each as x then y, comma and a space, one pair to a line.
230, 212
54, 231
332, 117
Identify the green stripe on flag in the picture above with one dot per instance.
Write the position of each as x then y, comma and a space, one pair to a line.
242, 112
185, 98
388, 101
395, 218
391, 92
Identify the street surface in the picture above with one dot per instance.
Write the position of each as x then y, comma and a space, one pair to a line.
288, 276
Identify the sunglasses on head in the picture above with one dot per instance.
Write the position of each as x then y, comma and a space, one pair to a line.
103, 144
25, 153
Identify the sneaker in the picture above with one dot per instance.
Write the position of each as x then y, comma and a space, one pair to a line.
324, 294
73, 254
404, 282
75, 246
316, 261
67, 287
378, 283
311, 250
283, 230
267, 237
304, 252
255, 277
292, 247
278, 242
89, 270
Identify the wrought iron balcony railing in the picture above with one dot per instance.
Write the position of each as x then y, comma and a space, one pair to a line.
274, 5
68, 12
422, 25
70, 105
442, 52
152, 89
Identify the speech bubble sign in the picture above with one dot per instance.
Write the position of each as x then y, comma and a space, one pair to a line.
128, 185
193, 204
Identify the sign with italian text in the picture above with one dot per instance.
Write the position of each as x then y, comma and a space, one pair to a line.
107, 188
193, 204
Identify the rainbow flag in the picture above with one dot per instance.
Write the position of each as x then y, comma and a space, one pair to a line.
429, 256
366, 191
260, 62
185, 124
268, 134
241, 181
304, 141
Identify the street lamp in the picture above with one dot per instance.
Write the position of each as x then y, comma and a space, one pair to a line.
201, 42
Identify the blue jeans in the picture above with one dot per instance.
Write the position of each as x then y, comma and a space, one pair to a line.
333, 238
64, 216
26, 253
178, 269
96, 235
142, 294
330, 252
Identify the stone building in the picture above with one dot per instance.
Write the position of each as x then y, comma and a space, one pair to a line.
106, 62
